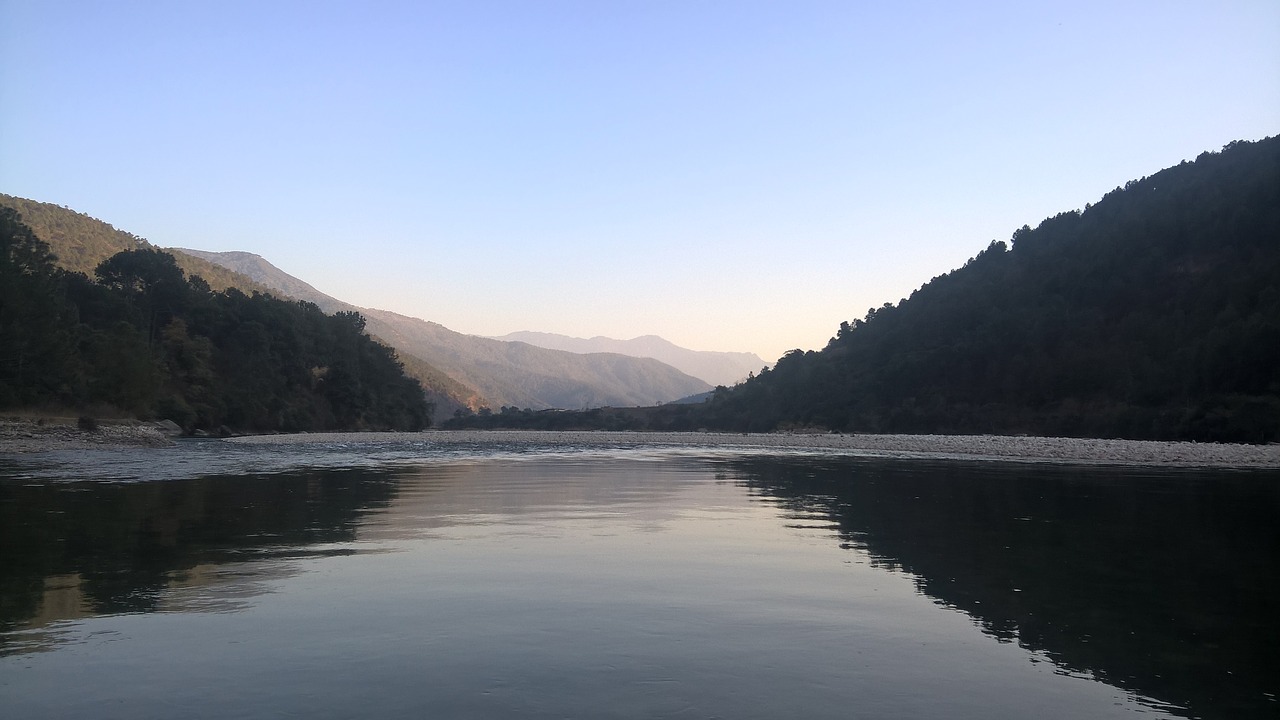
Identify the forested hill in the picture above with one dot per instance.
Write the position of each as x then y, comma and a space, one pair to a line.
80, 243
1154, 313
144, 339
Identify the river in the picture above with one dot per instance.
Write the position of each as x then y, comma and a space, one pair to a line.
395, 579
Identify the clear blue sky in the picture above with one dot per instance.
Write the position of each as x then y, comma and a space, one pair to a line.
729, 175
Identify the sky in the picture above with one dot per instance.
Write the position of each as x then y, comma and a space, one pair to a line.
736, 176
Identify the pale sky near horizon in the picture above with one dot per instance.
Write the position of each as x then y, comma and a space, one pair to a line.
728, 175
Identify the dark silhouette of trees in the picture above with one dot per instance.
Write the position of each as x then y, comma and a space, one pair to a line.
37, 342
151, 283
1153, 314
149, 341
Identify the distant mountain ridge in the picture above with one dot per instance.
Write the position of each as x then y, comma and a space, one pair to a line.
260, 271
457, 371
500, 373
715, 368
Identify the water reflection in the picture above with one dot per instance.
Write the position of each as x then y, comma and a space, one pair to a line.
71, 550
540, 573
1161, 582
75, 549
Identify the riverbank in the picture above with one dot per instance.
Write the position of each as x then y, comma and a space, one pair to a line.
33, 435
971, 447
42, 434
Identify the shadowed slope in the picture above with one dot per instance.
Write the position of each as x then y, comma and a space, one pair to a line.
502, 373
715, 368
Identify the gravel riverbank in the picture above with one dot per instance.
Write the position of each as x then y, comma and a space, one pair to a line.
976, 447
28, 435
24, 435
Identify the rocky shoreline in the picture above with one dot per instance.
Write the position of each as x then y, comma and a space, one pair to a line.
973, 447
29, 435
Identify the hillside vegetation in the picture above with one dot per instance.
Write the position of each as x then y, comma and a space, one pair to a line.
458, 372
80, 243
446, 394
146, 340
1153, 314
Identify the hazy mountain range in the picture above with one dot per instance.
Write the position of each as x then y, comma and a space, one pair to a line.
716, 368
457, 370
500, 373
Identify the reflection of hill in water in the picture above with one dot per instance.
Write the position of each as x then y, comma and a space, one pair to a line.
73, 549
70, 550
1164, 584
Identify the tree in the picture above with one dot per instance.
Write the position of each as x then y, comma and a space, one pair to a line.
152, 280
38, 360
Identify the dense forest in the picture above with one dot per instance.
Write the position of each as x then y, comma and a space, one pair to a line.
147, 340
81, 242
1154, 313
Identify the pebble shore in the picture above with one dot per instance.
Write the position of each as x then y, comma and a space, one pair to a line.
975, 447
26, 435
21, 436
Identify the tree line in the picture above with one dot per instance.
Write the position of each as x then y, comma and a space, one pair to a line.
1153, 314
144, 339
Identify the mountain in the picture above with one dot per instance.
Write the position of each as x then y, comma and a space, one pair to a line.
714, 368
456, 371
80, 243
513, 374
147, 340
1154, 313
263, 273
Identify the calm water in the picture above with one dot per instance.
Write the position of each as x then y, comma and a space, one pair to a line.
401, 580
